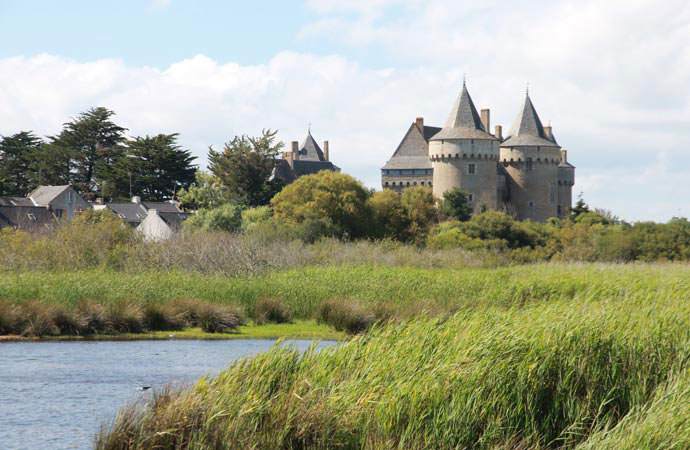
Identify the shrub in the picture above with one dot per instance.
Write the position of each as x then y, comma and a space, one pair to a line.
163, 318
456, 205
9, 318
389, 219
213, 318
126, 317
70, 322
96, 317
226, 218
420, 209
37, 320
271, 310
345, 315
254, 217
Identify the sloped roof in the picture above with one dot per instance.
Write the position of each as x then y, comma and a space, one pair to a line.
413, 150
302, 167
310, 150
43, 195
162, 207
527, 129
174, 220
132, 213
464, 121
26, 218
16, 201
283, 171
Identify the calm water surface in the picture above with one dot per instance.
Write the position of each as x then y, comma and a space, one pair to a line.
55, 395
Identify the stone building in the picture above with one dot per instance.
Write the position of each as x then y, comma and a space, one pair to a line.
305, 159
525, 174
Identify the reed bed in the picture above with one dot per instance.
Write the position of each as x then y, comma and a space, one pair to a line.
607, 369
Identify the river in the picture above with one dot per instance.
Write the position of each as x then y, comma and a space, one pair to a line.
55, 395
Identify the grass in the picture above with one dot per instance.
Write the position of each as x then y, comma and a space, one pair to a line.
596, 358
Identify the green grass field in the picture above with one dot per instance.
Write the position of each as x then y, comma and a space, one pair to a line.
535, 357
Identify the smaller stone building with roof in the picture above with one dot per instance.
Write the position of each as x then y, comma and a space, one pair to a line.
305, 159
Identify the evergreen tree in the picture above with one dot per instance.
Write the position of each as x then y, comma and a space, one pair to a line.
456, 204
17, 157
580, 207
245, 165
94, 143
157, 167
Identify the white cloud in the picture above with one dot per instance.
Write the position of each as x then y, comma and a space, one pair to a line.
612, 79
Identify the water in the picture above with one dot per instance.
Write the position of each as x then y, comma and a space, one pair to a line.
55, 395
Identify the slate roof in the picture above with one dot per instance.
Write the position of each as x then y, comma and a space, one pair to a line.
413, 150
464, 121
43, 195
26, 218
527, 129
16, 201
162, 207
306, 167
174, 220
310, 150
131, 213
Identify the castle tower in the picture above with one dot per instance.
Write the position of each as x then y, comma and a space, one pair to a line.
566, 180
463, 154
530, 156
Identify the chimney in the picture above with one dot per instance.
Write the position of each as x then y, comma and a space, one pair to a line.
136, 199
420, 123
499, 132
486, 119
564, 155
548, 132
325, 150
295, 150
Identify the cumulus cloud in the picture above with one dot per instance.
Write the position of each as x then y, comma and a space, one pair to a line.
612, 81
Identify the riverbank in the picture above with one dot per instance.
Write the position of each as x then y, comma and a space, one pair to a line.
301, 329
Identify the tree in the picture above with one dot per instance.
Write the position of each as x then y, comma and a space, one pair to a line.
227, 218
456, 204
94, 142
51, 165
329, 198
389, 217
580, 207
245, 165
420, 209
206, 192
17, 156
154, 167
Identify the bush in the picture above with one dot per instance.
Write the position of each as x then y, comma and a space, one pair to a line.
126, 317
214, 318
271, 310
36, 320
255, 217
226, 218
345, 315
163, 318
388, 214
420, 209
456, 205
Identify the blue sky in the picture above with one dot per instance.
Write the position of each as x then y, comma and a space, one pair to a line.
611, 77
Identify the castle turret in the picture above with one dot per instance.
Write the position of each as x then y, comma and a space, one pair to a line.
566, 180
531, 156
464, 154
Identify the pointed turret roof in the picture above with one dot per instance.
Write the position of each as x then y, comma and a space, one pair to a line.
464, 121
527, 129
310, 150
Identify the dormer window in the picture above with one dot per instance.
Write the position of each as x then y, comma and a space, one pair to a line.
31, 217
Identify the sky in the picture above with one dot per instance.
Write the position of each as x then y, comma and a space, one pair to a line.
612, 78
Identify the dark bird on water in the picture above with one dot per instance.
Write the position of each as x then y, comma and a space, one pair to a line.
143, 388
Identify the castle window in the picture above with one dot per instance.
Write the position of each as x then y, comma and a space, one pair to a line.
560, 210
408, 183
394, 183
552, 193
470, 197
528, 165
386, 184
530, 204
471, 169
415, 183
422, 183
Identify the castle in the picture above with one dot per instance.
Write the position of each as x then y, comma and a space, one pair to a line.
525, 174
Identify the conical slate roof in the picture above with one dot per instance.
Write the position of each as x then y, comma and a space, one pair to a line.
527, 129
310, 150
464, 121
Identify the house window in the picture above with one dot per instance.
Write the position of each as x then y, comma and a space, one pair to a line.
70, 198
59, 213
471, 169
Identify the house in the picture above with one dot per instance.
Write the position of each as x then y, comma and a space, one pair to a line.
25, 218
64, 201
161, 225
305, 159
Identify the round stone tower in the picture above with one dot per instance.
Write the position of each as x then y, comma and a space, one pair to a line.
566, 180
530, 156
464, 155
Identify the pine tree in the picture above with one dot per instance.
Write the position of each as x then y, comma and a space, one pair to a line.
17, 157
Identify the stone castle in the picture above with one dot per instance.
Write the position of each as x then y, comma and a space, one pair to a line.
525, 173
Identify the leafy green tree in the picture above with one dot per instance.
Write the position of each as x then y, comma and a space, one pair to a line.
245, 165
51, 165
389, 217
334, 200
206, 192
17, 156
94, 142
155, 167
456, 204
420, 209
226, 218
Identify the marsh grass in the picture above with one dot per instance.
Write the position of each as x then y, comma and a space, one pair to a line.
345, 315
592, 373
271, 310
